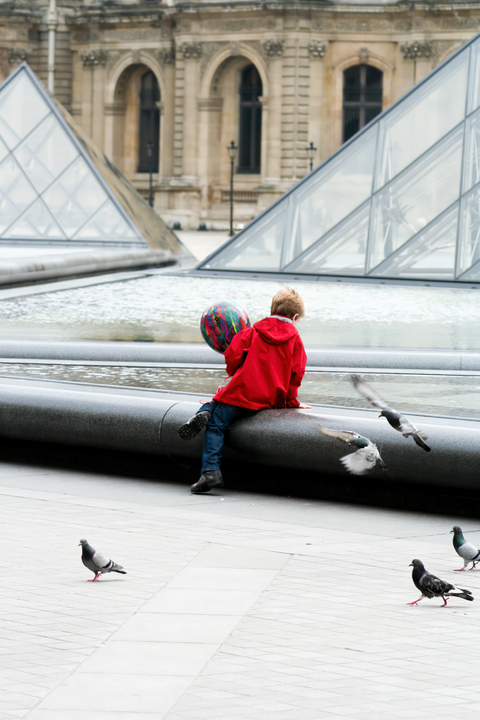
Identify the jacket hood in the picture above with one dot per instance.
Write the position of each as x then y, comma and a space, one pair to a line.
275, 331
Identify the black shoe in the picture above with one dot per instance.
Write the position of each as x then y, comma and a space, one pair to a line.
208, 480
194, 425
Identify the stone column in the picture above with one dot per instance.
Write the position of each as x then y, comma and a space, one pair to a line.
92, 93
272, 119
191, 52
167, 119
316, 51
209, 119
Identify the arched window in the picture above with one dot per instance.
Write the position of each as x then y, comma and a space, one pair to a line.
250, 131
362, 97
149, 122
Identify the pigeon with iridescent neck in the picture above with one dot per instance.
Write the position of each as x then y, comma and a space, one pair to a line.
468, 552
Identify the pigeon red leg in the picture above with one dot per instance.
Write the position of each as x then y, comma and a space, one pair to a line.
415, 602
95, 578
460, 569
444, 602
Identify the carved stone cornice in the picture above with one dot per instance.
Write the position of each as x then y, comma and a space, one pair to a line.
16, 56
191, 51
317, 49
92, 58
416, 50
273, 47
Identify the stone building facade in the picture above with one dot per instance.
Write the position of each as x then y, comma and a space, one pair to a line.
190, 77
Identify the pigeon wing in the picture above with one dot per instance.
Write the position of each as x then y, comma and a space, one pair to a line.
432, 586
467, 551
101, 561
345, 436
360, 462
369, 394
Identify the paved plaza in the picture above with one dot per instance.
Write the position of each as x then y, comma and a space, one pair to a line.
235, 606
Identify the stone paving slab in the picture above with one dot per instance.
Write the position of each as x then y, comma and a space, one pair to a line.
234, 606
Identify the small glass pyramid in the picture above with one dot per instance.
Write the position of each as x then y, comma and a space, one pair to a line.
56, 185
401, 199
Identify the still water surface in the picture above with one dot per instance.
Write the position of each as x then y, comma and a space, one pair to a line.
162, 308
456, 396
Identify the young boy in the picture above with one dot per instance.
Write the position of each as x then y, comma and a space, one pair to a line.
267, 364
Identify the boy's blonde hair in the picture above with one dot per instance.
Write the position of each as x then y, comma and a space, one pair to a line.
287, 302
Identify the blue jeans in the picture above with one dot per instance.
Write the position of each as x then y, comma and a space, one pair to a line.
223, 416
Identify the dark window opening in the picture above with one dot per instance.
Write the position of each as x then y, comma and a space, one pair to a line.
250, 125
362, 97
149, 122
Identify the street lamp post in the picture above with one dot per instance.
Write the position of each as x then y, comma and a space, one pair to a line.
232, 150
311, 153
150, 146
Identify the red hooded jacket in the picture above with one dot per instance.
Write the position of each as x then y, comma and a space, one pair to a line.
267, 362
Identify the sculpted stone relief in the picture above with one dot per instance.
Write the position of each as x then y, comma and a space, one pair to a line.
192, 50
273, 48
92, 58
416, 50
260, 23
16, 56
317, 49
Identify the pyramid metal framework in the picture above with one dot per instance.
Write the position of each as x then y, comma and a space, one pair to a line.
56, 186
401, 199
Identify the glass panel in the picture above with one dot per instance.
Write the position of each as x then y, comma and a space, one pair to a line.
75, 197
3, 150
36, 223
472, 275
471, 153
21, 109
414, 199
474, 84
469, 235
429, 254
341, 252
422, 119
259, 248
16, 193
107, 225
146, 220
46, 153
330, 195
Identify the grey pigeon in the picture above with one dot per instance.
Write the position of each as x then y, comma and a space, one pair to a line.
431, 586
396, 420
366, 456
468, 552
96, 562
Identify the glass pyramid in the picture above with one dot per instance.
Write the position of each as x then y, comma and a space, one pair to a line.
401, 199
56, 185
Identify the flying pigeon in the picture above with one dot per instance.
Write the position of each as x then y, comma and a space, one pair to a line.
396, 420
98, 563
366, 456
431, 586
468, 552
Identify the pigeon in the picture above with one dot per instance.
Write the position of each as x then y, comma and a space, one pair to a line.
98, 563
366, 456
468, 552
396, 420
431, 586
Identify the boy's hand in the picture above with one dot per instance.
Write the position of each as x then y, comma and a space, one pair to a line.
304, 407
